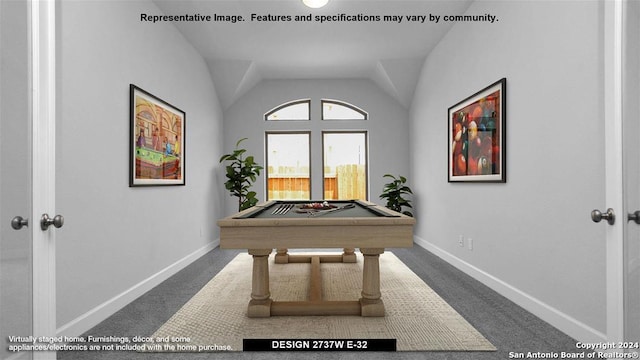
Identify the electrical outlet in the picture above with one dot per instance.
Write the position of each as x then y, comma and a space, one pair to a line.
461, 241
470, 244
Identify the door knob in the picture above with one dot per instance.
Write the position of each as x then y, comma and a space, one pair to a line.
46, 221
610, 216
18, 222
634, 217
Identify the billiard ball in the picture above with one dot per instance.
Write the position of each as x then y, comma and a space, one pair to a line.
461, 164
473, 130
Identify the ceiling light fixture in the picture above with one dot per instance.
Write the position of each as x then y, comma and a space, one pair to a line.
315, 3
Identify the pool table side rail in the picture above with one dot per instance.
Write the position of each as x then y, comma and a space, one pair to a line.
399, 236
387, 217
319, 232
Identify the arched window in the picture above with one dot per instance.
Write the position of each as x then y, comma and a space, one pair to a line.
343, 153
340, 110
290, 111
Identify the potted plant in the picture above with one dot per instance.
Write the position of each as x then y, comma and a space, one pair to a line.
394, 191
241, 174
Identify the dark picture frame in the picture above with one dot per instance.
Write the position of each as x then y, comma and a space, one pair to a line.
156, 141
477, 136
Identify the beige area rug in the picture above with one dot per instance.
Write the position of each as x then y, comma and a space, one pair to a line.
415, 315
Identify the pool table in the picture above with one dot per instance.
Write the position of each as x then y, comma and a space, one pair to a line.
283, 225
151, 164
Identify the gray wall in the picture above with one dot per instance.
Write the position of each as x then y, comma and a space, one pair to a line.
116, 237
533, 237
387, 126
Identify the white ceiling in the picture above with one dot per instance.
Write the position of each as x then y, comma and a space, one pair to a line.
241, 54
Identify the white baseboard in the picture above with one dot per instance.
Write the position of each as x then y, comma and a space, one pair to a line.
19, 356
553, 316
98, 314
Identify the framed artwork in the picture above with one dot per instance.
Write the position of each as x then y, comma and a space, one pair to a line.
477, 137
156, 141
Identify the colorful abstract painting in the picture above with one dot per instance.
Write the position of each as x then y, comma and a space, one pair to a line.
477, 136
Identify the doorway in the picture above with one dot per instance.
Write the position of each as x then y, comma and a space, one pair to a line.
15, 183
27, 181
631, 165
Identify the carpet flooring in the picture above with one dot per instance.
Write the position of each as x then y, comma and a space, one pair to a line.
506, 325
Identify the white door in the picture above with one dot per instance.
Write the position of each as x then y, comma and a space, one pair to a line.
15, 176
27, 145
621, 93
631, 140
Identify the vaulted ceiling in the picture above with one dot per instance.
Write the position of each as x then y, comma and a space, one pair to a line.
242, 53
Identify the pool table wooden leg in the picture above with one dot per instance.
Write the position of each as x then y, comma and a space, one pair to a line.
349, 255
371, 304
282, 256
260, 304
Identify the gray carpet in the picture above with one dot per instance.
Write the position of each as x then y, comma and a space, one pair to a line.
506, 325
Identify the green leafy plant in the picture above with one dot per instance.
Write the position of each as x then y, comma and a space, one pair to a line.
241, 174
394, 191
